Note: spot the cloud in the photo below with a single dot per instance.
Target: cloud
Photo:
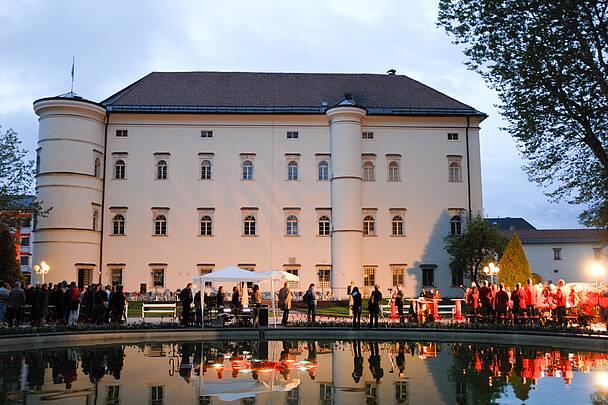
(117, 42)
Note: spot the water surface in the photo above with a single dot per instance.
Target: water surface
(303, 372)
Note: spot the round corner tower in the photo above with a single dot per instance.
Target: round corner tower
(69, 182)
(347, 234)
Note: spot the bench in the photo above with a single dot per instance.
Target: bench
(168, 308)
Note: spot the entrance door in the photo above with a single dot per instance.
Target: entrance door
(84, 277)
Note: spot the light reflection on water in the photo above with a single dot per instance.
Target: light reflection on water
(302, 372)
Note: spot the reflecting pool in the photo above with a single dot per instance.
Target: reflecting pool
(303, 372)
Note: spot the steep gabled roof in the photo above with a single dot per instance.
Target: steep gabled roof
(312, 93)
(510, 223)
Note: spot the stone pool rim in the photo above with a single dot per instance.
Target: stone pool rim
(52, 340)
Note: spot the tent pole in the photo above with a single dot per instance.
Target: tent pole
(200, 287)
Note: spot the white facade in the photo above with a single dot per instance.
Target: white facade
(413, 152)
(572, 262)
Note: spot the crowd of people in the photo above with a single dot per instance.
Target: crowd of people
(535, 301)
(61, 303)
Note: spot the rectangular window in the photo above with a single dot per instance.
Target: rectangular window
(597, 253)
(457, 278)
(369, 276)
(294, 285)
(397, 276)
(24, 260)
(25, 241)
(455, 169)
(116, 276)
(158, 277)
(206, 270)
(453, 136)
(557, 253)
(428, 276)
(113, 397)
(401, 391)
(367, 135)
(206, 134)
(84, 277)
(293, 135)
(324, 278)
(157, 395)
(122, 133)
(325, 392)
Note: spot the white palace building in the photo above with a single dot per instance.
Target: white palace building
(339, 178)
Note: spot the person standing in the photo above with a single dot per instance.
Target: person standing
(519, 303)
(502, 301)
(118, 301)
(560, 301)
(310, 298)
(357, 307)
(399, 304)
(72, 296)
(374, 306)
(285, 302)
(16, 302)
(530, 293)
(4, 293)
(485, 298)
(220, 297)
(256, 301)
(41, 300)
(185, 297)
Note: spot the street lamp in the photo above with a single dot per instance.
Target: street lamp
(491, 270)
(42, 269)
(598, 271)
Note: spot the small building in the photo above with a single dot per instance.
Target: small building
(557, 253)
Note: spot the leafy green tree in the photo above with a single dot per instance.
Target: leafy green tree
(514, 266)
(548, 61)
(10, 270)
(17, 176)
(480, 243)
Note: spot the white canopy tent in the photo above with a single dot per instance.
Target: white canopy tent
(238, 275)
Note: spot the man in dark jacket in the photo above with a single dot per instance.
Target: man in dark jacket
(374, 306)
(485, 298)
(16, 302)
(185, 296)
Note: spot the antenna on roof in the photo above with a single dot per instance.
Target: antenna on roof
(72, 87)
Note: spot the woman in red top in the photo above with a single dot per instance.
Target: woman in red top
(472, 299)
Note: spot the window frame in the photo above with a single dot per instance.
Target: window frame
(369, 225)
(247, 170)
(455, 169)
(161, 227)
(368, 171)
(249, 225)
(121, 133)
(323, 168)
(158, 272)
(293, 170)
(206, 134)
(27, 257)
(453, 136)
(162, 169)
(206, 225)
(113, 272)
(367, 135)
(394, 171)
(324, 225)
(557, 253)
(397, 225)
(292, 225)
(398, 273)
(369, 276)
(118, 224)
(428, 274)
(292, 135)
(97, 167)
(120, 169)
(206, 170)
(456, 225)
(324, 277)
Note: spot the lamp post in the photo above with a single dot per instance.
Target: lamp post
(491, 270)
(42, 269)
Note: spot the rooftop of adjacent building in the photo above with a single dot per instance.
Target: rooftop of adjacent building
(281, 93)
(529, 234)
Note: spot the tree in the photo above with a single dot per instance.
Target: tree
(548, 61)
(480, 243)
(17, 176)
(514, 266)
(10, 270)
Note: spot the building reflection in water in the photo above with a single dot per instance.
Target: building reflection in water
(292, 372)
